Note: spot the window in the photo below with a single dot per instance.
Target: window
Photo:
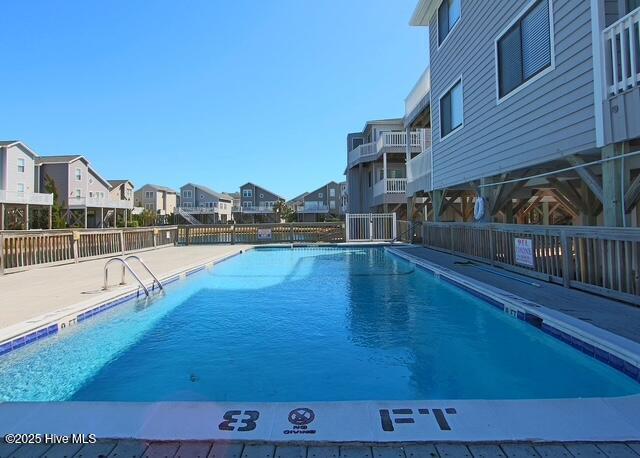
(356, 142)
(78, 174)
(332, 204)
(148, 194)
(247, 193)
(246, 204)
(20, 187)
(78, 193)
(90, 194)
(448, 17)
(148, 206)
(524, 50)
(451, 110)
(320, 195)
(188, 193)
(381, 174)
(21, 165)
(261, 196)
(332, 192)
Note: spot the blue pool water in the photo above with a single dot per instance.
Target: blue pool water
(312, 324)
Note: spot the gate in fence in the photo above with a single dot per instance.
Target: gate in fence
(370, 227)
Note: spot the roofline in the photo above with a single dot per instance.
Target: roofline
(265, 189)
(375, 122)
(24, 145)
(422, 13)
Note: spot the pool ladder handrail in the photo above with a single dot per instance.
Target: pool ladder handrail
(146, 267)
(126, 266)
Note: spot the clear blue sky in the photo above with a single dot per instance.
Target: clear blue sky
(214, 92)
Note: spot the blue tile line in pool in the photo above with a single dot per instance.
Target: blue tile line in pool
(626, 367)
(51, 329)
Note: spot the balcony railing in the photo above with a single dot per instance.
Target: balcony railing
(421, 165)
(200, 210)
(24, 198)
(259, 209)
(312, 209)
(421, 89)
(361, 152)
(390, 186)
(398, 140)
(98, 202)
(622, 53)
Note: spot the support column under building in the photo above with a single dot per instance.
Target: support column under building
(612, 186)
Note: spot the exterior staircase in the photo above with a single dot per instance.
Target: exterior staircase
(188, 217)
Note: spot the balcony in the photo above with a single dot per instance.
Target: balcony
(390, 186)
(252, 210)
(363, 152)
(419, 168)
(312, 208)
(622, 54)
(388, 142)
(25, 198)
(412, 104)
(200, 210)
(98, 202)
(621, 78)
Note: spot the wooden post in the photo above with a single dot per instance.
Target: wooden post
(187, 235)
(76, 238)
(86, 211)
(291, 232)
(26, 216)
(50, 217)
(1, 216)
(567, 260)
(233, 234)
(1, 253)
(611, 188)
(126, 217)
(437, 195)
(492, 246)
(122, 247)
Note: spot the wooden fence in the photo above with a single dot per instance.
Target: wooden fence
(602, 260)
(262, 233)
(21, 250)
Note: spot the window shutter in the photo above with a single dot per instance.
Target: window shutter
(443, 21)
(536, 40)
(445, 115)
(510, 61)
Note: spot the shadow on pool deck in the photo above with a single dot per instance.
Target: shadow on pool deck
(617, 317)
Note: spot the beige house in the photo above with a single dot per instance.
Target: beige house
(161, 200)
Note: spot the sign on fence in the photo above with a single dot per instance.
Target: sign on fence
(524, 252)
(264, 234)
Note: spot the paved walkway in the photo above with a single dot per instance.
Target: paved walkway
(617, 317)
(29, 294)
(130, 449)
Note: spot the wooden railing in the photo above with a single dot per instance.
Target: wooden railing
(22, 250)
(597, 259)
(261, 233)
(622, 53)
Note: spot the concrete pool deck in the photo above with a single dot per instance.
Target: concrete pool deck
(36, 294)
(616, 317)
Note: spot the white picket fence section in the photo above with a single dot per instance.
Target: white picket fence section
(370, 227)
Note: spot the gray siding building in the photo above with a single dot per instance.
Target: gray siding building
(204, 204)
(257, 204)
(517, 92)
(320, 204)
(376, 167)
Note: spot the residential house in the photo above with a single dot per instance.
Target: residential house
(257, 205)
(376, 166)
(533, 105)
(22, 205)
(321, 204)
(81, 191)
(202, 205)
(160, 200)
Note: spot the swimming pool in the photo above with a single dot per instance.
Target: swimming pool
(307, 324)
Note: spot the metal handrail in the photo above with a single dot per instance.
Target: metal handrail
(124, 266)
(143, 264)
